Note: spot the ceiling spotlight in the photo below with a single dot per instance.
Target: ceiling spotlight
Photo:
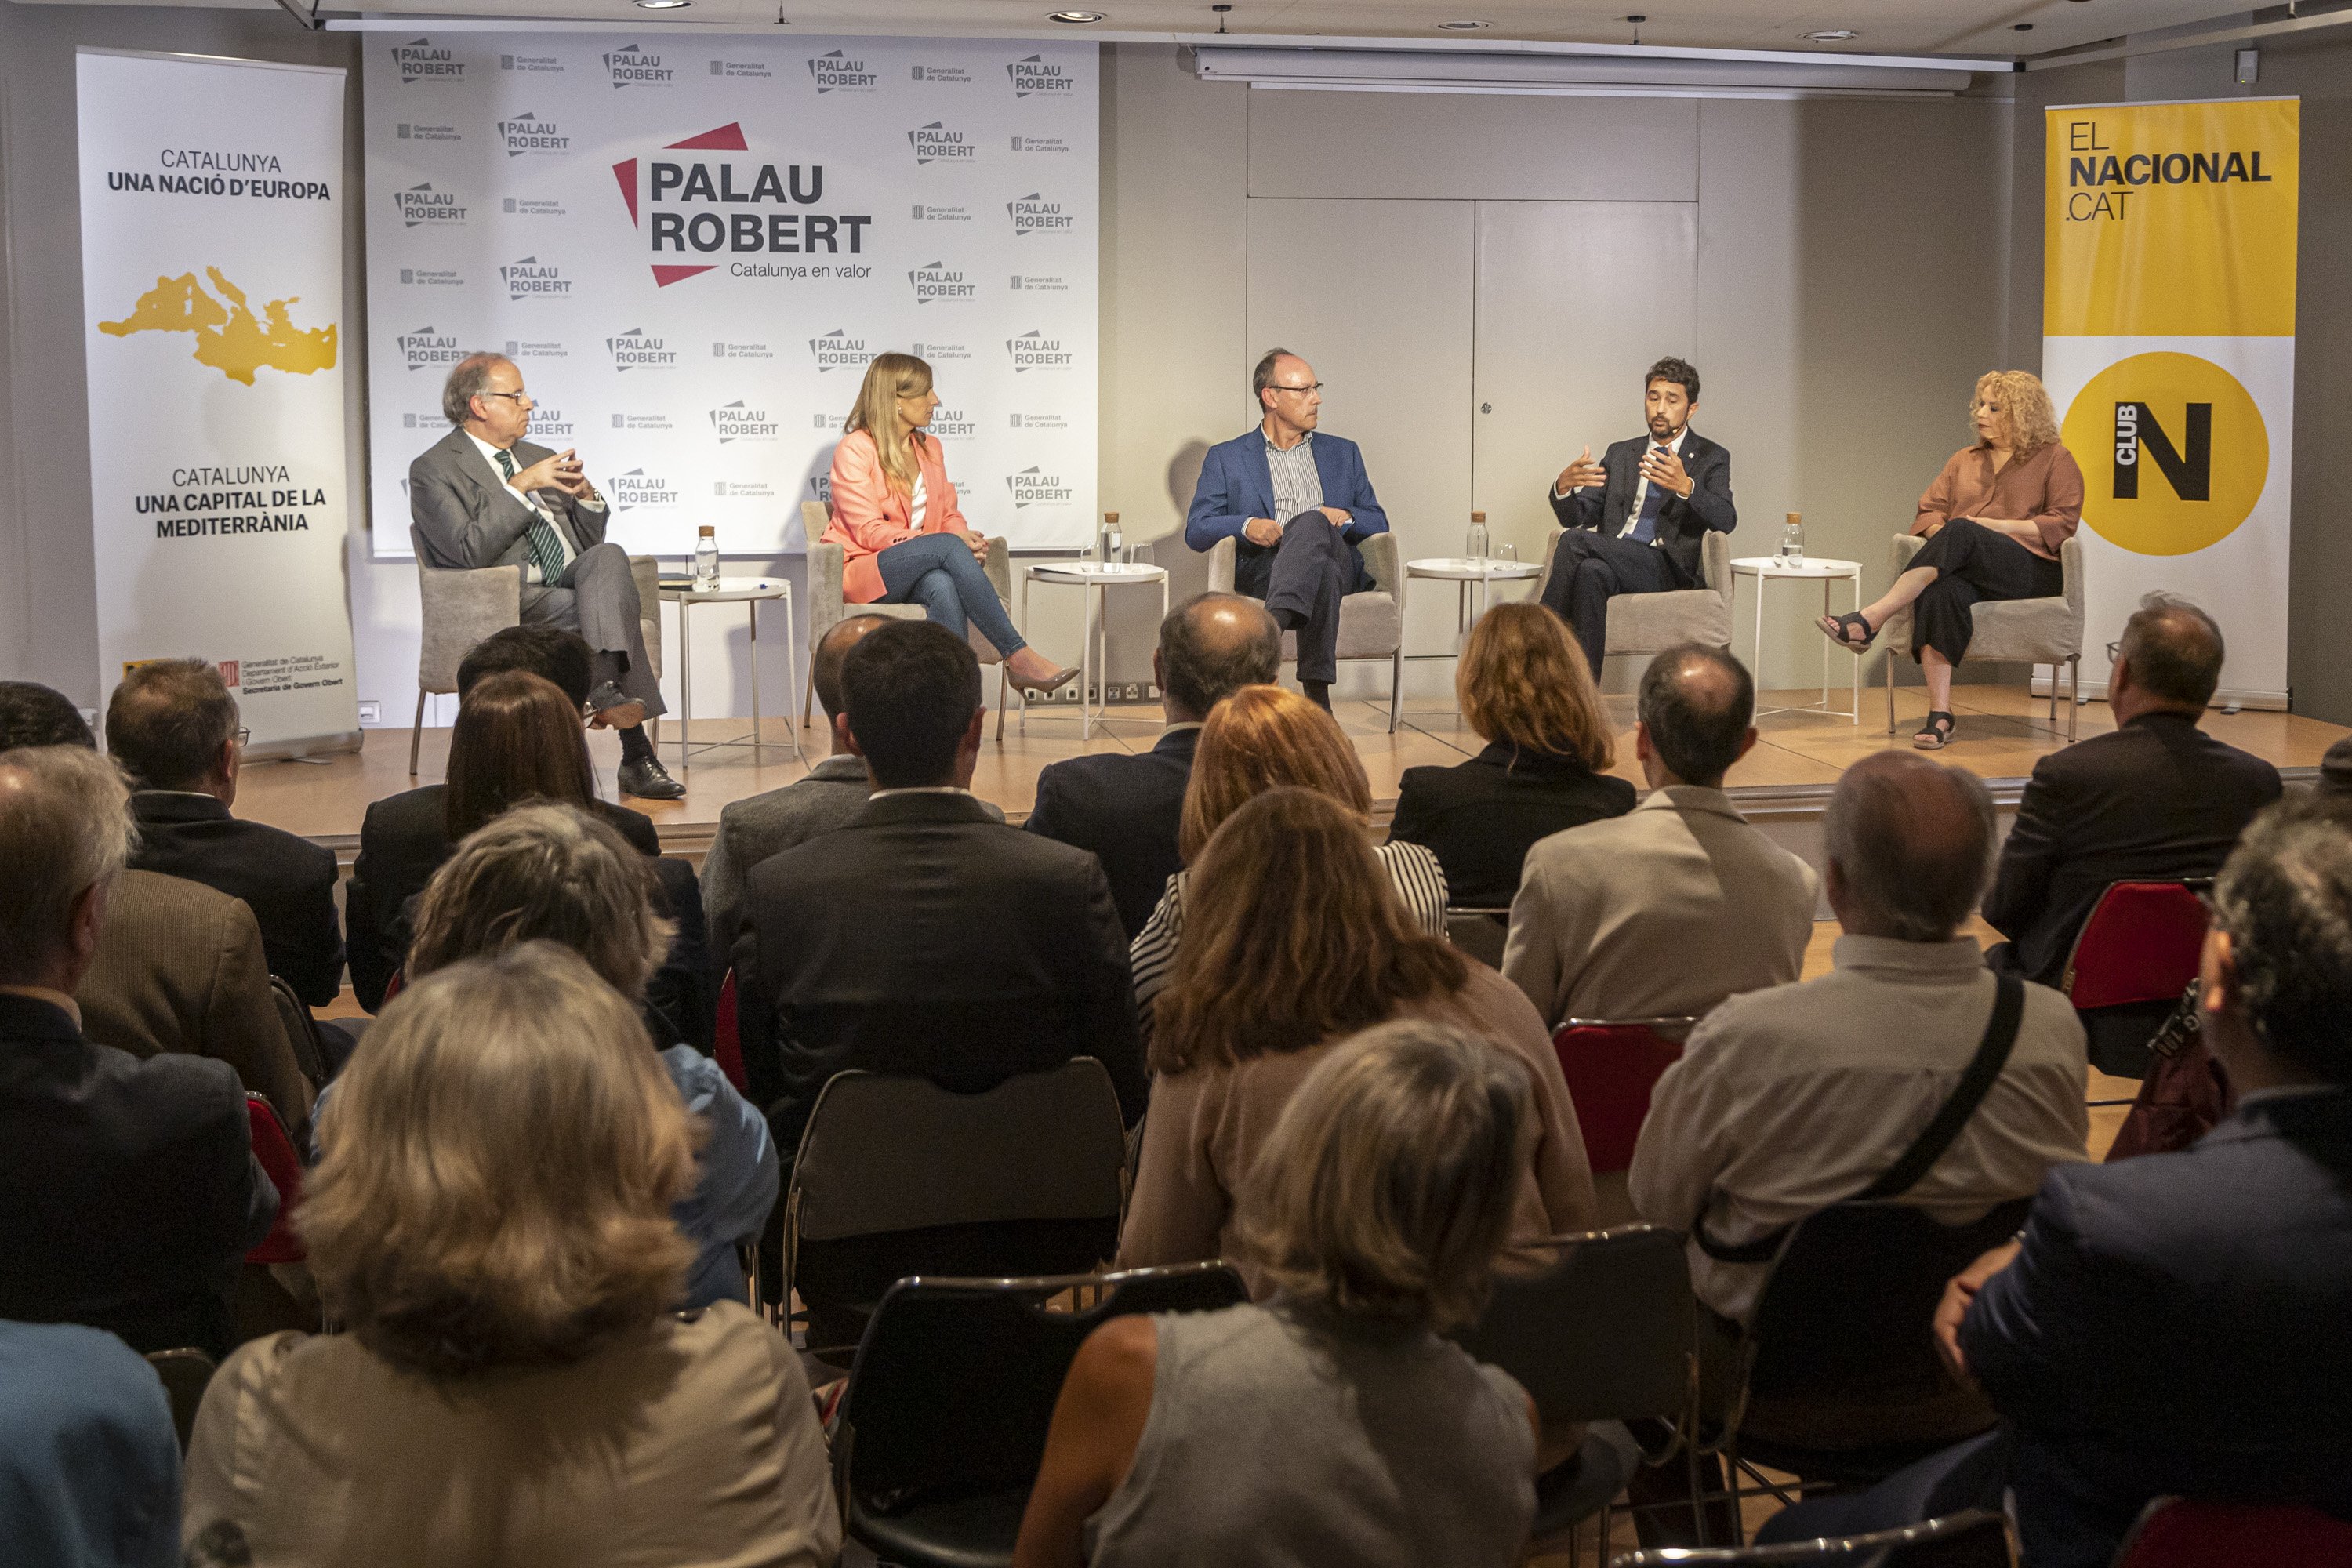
(1075, 19)
(1831, 36)
(662, 4)
(1462, 27)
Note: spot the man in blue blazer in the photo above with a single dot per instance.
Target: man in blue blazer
(1296, 500)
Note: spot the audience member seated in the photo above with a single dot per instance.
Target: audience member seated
(554, 873)
(1666, 910)
(90, 1464)
(179, 968)
(492, 1224)
(129, 1193)
(1525, 690)
(174, 726)
(1329, 1423)
(923, 938)
(2157, 798)
(1788, 1099)
(1128, 809)
(1297, 941)
(1263, 738)
(760, 826)
(2336, 769)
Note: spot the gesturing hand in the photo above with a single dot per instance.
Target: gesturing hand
(1582, 472)
(1663, 466)
(1263, 530)
(557, 471)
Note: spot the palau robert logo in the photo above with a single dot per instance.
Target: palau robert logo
(937, 281)
(836, 70)
(639, 487)
(836, 350)
(548, 422)
(429, 206)
(820, 488)
(738, 421)
(1034, 350)
(2174, 453)
(1033, 214)
(1034, 487)
(426, 347)
(419, 60)
(637, 348)
(934, 144)
(408, 132)
(527, 134)
(945, 421)
(532, 279)
(748, 211)
(1031, 75)
(631, 66)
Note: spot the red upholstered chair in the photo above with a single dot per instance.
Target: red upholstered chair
(727, 1036)
(275, 1150)
(2132, 960)
(2179, 1532)
(1610, 1065)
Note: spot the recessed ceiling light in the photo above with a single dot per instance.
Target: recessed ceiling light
(662, 4)
(1462, 27)
(1831, 36)
(1075, 18)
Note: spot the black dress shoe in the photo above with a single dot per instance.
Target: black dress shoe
(646, 778)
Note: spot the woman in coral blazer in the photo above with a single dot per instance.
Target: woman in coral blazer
(894, 515)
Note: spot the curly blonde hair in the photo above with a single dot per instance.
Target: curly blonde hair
(1523, 681)
(1260, 737)
(2024, 405)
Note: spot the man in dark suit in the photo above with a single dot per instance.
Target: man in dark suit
(128, 1193)
(483, 495)
(1296, 500)
(1127, 809)
(921, 938)
(2158, 797)
(173, 726)
(1635, 519)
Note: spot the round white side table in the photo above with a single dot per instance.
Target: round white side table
(1812, 568)
(1094, 580)
(747, 592)
(1464, 571)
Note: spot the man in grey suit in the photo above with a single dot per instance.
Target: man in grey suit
(482, 496)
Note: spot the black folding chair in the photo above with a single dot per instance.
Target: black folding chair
(186, 1375)
(941, 1429)
(1479, 931)
(1975, 1539)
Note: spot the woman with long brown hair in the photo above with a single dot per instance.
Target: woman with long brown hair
(1294, 941)
(1994, 522)
(902, 537)
(1527, 690)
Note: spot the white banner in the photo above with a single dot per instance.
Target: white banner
(692, 246)
(212, 296)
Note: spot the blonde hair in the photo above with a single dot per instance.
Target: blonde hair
(889, 377)
(498, 1170)
(1386, 1188)
(545, 872)
(2023, 403)
(1293, 934)
(1523, 680)
(1260, 737)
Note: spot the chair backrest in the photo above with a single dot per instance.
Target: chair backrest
(2182, 1533)
(1715, 564)
(953, 1388)
(283, 1166)
(185, 1374)
(1479, 933)
(1975, 1539)
(1610, 1067)
(726, 1035)
(458, 608)
(1604, 1333)
(301, 1030)
(1846, 1310)
(2141, 943)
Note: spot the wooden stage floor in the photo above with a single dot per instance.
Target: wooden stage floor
(2003, 730)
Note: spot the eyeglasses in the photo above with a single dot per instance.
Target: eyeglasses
(1310, 386)
(2114, 651)
(242, 737)
(519, 397)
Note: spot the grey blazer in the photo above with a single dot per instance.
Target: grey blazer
(468, 517)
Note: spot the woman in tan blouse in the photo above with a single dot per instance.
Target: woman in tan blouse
(1295, 940)
(1994, 521)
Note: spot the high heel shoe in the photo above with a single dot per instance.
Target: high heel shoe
(1052, 683)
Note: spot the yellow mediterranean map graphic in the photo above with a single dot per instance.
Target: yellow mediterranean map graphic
(229, 337)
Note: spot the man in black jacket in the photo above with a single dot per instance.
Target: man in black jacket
(2156, 798)
(174, 726)
(1127, 808)
(921, 938)
(1636, 518)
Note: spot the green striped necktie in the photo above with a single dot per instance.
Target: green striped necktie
(546, 550)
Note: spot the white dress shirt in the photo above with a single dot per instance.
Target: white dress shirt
(1641, 483)
(562, 539)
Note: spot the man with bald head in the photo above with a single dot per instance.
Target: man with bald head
(1126, 809)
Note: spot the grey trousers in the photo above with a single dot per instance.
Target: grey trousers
(597, 597)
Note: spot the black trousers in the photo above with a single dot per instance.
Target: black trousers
(1588, 570)
(1302, 581)
(1973, 564)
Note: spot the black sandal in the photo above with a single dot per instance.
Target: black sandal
(1934, 737)
(1835, 628)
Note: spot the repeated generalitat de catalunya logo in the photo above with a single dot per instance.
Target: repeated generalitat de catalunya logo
(1034, 487)
(428, 203)
(637, 348)
(937, 281)
(631, 66)
(747, 208)
(529, 133)
(1034, 350)
(836, 350)
(934, 144)
(424, 347)
(532, 279)
(836, 70)
(1033, 214)
(419, 60)
(738, 421)
(1032, 75)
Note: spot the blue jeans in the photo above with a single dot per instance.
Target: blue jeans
(939, 572)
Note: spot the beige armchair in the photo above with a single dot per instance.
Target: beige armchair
(2025, 631)
(1652, 623)
(826, 608)
(463, 605)
(1371, 623)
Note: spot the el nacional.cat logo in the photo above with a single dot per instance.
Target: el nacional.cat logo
(2173, 451)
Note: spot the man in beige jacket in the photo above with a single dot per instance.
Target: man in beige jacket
(1679, 903)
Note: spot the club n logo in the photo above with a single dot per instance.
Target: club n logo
(2188, 467)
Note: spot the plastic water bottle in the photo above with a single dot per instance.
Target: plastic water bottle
(1476, 548)
(1793, 540)
(706, 560)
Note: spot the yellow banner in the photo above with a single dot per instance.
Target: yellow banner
(2170, 219)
